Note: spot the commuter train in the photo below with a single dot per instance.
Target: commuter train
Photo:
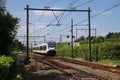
(48, 49)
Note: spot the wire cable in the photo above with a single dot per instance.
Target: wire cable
(97, 14)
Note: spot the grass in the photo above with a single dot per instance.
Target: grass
(109, 62)
(21, 73)
(26, 72)
(63, 49)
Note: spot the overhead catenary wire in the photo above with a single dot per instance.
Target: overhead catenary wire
(76, 7)
(84, 3)
(59, 15)
(59, 30)
(75, 1)
(71, 4)
(99, 13)
(62, 13)
(50, 3)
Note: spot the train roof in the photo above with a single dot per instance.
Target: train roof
(44, 44)
(40, 44)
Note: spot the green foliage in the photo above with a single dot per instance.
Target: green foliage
(110, 62)
(80, 38)
(18, 45)
(110, 50)
(98, 39)
(6, 68)
(21, 73)
(7, 31)
(84, 42)
(101, 49)
(113, 35)
(82, 50)
(117, 40)
(63, 49)
(2, 2)
(95, 53)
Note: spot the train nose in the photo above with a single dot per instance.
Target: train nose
(51, 53)
(51, 48)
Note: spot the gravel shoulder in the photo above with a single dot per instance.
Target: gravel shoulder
(37, 71)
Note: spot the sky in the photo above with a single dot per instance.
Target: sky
(44, 23)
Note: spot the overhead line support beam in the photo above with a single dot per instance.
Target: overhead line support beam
(57, 10)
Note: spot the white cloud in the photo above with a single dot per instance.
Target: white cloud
(107, 13)
(47, 13)
(21, 30)
(40, 25)
(104, 13)
(39, 13)
(18, 14)
(21, 27)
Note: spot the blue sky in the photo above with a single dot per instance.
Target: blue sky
(107, 22)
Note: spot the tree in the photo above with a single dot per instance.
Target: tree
(99, 39)
(18, 45)
(109, 35)
(8, 30)
(2, 2)
(113, 35)
(80, 38)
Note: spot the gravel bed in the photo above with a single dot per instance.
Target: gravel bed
(50, 76)
(39, 71)
(101, 73)
(47, 73)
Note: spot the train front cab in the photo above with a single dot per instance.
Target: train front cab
(51, 53)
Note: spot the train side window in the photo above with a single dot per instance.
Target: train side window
(40, 47)
(44, 47)
(37, 48)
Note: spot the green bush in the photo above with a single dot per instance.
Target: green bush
(63, 49)
(6, 68)
(103, 49)
(110, 50)
(95, 54)
(99, 39)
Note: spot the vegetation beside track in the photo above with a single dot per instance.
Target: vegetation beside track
(8, 43)
(21, 73)
(103, 48)
(109, 62)
(7, 68)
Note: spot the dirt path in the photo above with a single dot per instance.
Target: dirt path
(20, 59)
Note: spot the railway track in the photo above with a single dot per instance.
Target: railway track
(72, 72)
(115, 70)
(107, 72)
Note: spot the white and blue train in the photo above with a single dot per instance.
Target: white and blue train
(48, 49)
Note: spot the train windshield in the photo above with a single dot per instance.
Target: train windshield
(51, 44)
